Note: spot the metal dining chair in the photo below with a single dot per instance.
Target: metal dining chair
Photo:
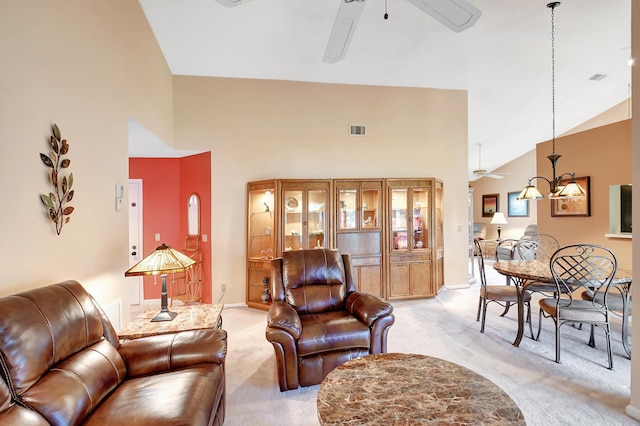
(619, 304)
(503, 295)
(537, 246)
(576, 267)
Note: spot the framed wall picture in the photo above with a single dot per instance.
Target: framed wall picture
(515, 207)
(573, 206)
(490, 204)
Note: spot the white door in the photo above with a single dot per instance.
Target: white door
(136, 294)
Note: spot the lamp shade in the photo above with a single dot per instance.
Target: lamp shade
(163, 260)
(530, 192)
(498, 219)
(572, 190)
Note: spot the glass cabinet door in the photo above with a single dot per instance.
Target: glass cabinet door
(316, 218)
(347, 202)
(420, 222)
(399, 218)
(305, 219)
(370, 208)
(420, 198)
(292, 220)
(358, 209)
(410, 218)
(261, 224)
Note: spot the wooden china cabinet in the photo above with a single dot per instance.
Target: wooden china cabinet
(261, 240)
(415, 256)
(359, 229)
(283, 214)
(391, 227)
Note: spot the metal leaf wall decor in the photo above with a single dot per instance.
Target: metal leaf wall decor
(56, 203)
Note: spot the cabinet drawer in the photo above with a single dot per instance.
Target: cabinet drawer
(260, 264)
(371, 260)
(410, 257)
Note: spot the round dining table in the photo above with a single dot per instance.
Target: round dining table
(525, 272)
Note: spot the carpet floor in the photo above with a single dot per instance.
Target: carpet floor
(579, 391)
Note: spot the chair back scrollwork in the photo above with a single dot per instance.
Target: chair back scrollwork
(537, 246)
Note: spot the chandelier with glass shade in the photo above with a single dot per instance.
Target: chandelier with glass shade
(557, 189)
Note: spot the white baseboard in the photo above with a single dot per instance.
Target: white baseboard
(633, 412)
(457, 287)
(235, 305)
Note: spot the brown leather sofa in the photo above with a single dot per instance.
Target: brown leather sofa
(62, 364)
(317, 320)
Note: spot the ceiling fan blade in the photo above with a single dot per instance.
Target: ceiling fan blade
(484, 173)
(231, 3)
(457, 15)
(343, 29)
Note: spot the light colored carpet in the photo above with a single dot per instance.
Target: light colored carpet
(580, 391)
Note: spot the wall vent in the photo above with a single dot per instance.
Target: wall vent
(597, 77)
(114, 313)
(357, 130)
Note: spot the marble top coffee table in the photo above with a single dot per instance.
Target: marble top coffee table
(410, 389)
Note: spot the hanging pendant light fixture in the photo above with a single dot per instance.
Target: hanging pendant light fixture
(556, 188)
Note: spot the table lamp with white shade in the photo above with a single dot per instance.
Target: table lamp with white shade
(499, 219)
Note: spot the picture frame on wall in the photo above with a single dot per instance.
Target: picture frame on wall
(490, 204)
(561, 207)
(515, 207)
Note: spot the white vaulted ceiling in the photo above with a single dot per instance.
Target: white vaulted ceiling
(503, 61)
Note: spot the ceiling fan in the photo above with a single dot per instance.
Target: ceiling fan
(457, 15)
(480, 172)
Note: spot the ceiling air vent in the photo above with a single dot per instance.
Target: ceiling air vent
(357, 130)
(597, 77)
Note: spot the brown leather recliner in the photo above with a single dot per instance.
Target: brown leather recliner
(14, 414)
(317, 320)
(61, 363)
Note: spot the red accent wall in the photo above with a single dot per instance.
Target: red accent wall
(195, 177)
(167, 184)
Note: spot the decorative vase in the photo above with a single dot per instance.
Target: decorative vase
(265, 292)
(265, 295)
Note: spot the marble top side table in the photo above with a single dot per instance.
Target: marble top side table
(190, 317)
(402, 389)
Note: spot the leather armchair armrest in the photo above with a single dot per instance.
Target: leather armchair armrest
(282, 316)
(169, 351)
(367, 307)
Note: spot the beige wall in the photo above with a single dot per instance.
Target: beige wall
(259, 129)
(68, 65)
(603, 154)
(619, 112)
(87, 66)
(519, 171)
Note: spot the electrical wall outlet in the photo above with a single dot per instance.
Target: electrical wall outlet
(223, 287)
